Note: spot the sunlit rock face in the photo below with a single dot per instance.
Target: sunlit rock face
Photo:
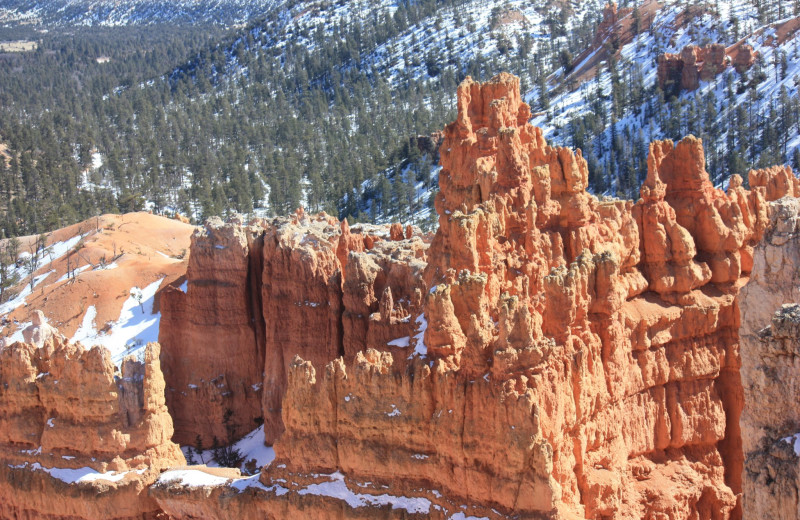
(546, 354)
(559, 356)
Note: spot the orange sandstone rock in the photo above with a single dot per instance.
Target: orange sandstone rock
(63, 408)
(778, 182)
(602, 333)
(684, 71)
(550, 355)
(213, 336)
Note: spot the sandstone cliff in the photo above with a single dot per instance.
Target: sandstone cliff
(550, 355)
(79, 438)
(257, 295)
(580, 355)
(770, 346)
(213, 336)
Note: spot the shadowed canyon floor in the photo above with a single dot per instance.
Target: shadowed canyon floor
(546, 354)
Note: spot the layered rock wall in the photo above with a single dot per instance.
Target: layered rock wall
(261, 293)
(580, 356)
(213, 336)
(78, 437)
(770, 338)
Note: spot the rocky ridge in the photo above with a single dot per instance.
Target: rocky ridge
(684, 71)
(546, 354)
(78, 437)
(561, 356)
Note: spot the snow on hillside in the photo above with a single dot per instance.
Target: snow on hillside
(26, 267)
(97, 282)
(402, 43)
(709, 112)
(482, 29)
(112, 13)
(136, 327)
(489, 31)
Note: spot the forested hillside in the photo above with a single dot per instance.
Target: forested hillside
(110, 13)
(312, 104)
(747, 118)
(319, 103)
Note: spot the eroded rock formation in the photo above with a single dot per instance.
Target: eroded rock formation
(213, 336)
(572, 388)
(770, 347)
(78, 438)
(684, 71)
(259, 294)
(548, 355)
(559, 357)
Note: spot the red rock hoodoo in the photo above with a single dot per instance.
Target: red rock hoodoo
(684, 71)
(258, 295)
(579, 355)
(78, 437)
(558, 356)
(547, 355)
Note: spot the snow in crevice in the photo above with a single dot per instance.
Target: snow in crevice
(794, 440)
(79, 475)
(420, 349)
(251, 446)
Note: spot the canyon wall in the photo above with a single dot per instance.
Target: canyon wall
(770, 339)
(259, 294)
(546, 354)
(213, 336)
(550, 355)
(79, 438)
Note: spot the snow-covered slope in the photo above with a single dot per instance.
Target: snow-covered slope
(746, 120)
(130, 12)
(97, 282)
(419, 40)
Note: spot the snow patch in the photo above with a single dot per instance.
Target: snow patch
(80, 475)
(251, 446)
(462, 516)
(75, 273)
(794, 440)
(336, 488)
(420, 349)
(191, 478)
(403, 342)
(136, 327)
(244, 483)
